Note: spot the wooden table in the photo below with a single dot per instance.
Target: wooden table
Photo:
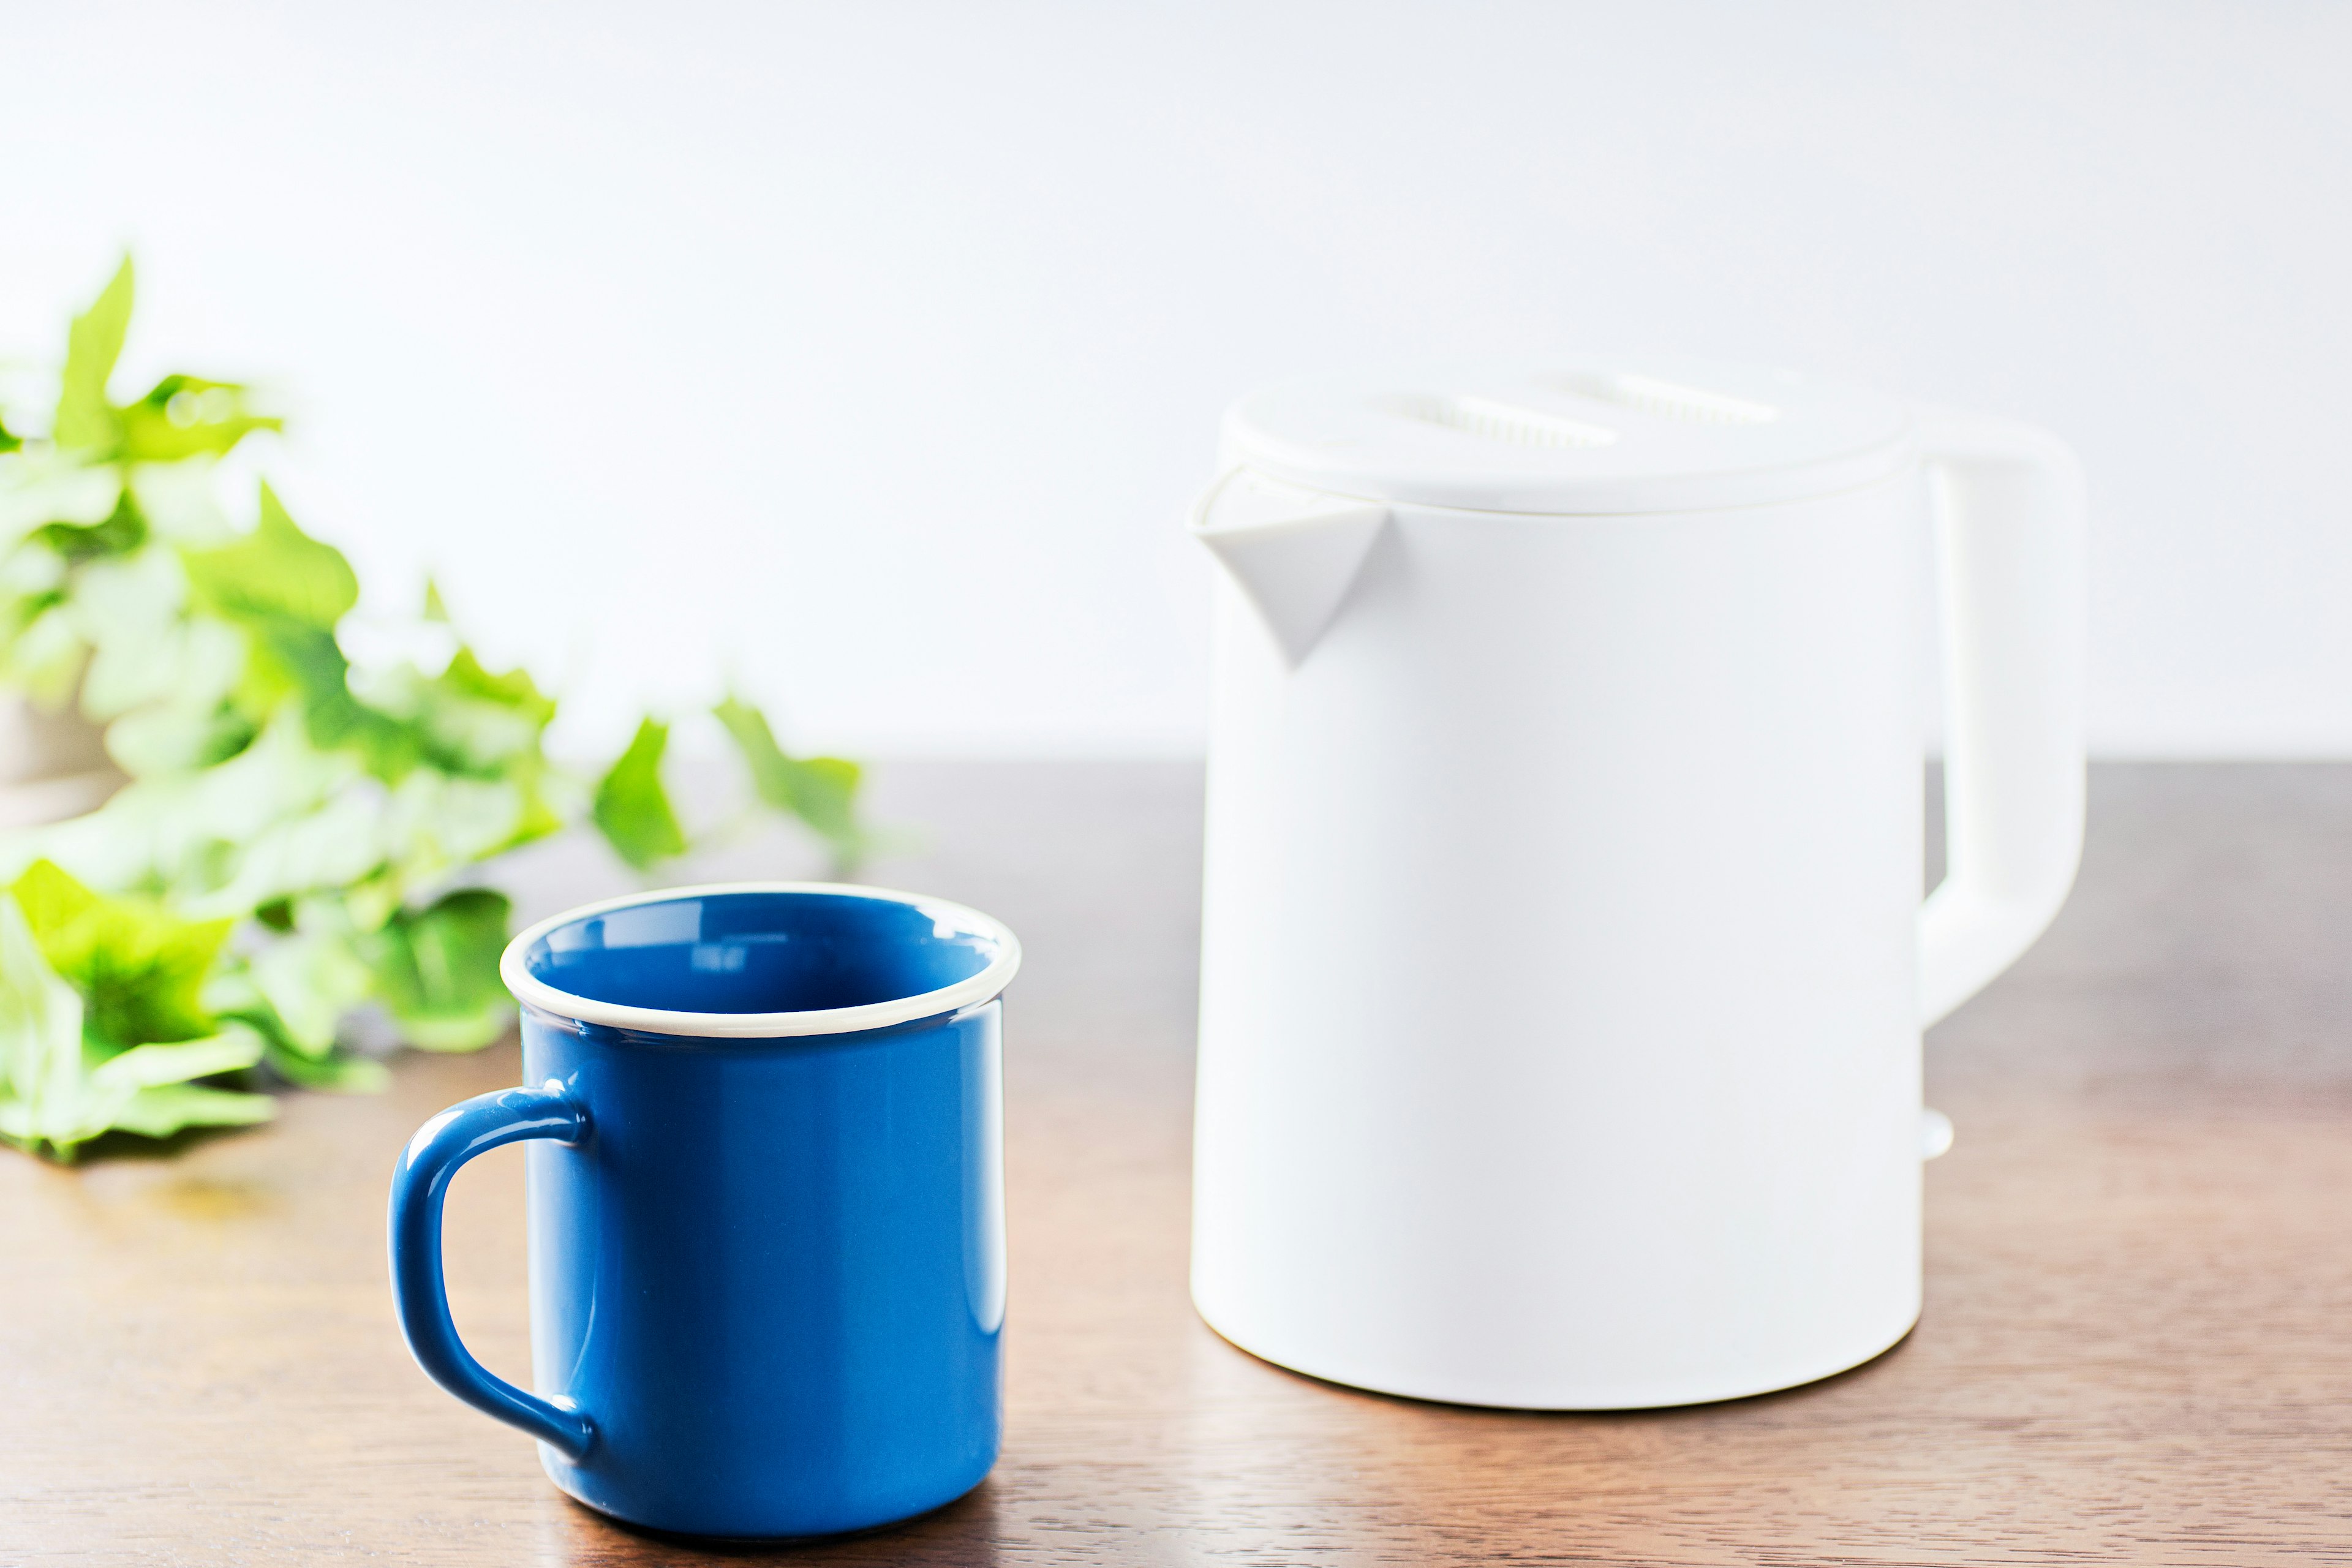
(2137, 1344)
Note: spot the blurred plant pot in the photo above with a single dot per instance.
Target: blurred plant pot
(52, 766)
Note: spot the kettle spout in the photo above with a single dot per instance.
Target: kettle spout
(1293, 553)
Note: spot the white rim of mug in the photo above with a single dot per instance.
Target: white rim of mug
(533, 992)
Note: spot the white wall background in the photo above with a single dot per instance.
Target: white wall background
(871, 350)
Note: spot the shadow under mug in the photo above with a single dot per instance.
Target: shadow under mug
(766, 1205)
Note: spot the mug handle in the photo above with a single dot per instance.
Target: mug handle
(419, 1183)
(2008, 510)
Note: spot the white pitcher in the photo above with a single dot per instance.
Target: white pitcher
(1564, 963)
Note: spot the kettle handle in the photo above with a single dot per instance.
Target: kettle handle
(2008, 510)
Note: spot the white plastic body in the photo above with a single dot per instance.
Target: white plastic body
(1564, 966)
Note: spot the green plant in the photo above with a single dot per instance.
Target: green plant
(300, 837)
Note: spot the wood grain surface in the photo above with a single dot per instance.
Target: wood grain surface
(2137, 1343)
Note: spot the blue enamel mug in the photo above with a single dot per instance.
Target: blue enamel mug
(766, 1203)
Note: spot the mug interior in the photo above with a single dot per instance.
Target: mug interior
(758, 951)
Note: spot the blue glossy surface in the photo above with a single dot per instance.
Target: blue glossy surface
(768, 1278)
(419, 1183)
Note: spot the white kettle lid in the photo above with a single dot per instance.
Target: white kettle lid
(1628, 434)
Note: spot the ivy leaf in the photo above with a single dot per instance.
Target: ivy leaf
(180, 505)
(177, 736)
(540, 815)
(632, 809)
(120, 532)
(238, 999)
(821, 791)
(59, 1088)
(311, 980)
(143, 648)
(277, 573)
(339, 1073)
(339, 720)
(85, 421)
(286, 590)
(160, 1113)
(515, 689)
(44, 658)
(140, 969)
(467, 720)
(235, 1047)
(295, 775)
(280, 816)
(188, 416)
(40, 1041)
(436, 971)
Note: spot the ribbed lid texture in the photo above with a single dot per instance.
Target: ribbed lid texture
(1630, 433)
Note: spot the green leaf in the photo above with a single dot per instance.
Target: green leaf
(235, 1047)
(180, 504)
(539, 817)
(311, 980)
(337, 1071)
(338, 720)
(827, 802)
(139, 968)
(60, 1090)
(466, 720)
(337, 1074)
(144, 649)
(188, 416)
(218, 841)
(434, 610)
(170, 738)
(85, 421)
(437, 823)
(122, 532)
(160, 1113)
(306, 661)
(43, 659)
(515, 689)
(632, 809)
(438, 971)
(43, 485)
(42, 1092)
(286, 590)
(277, 573)
(9, 443)
(821, 791)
